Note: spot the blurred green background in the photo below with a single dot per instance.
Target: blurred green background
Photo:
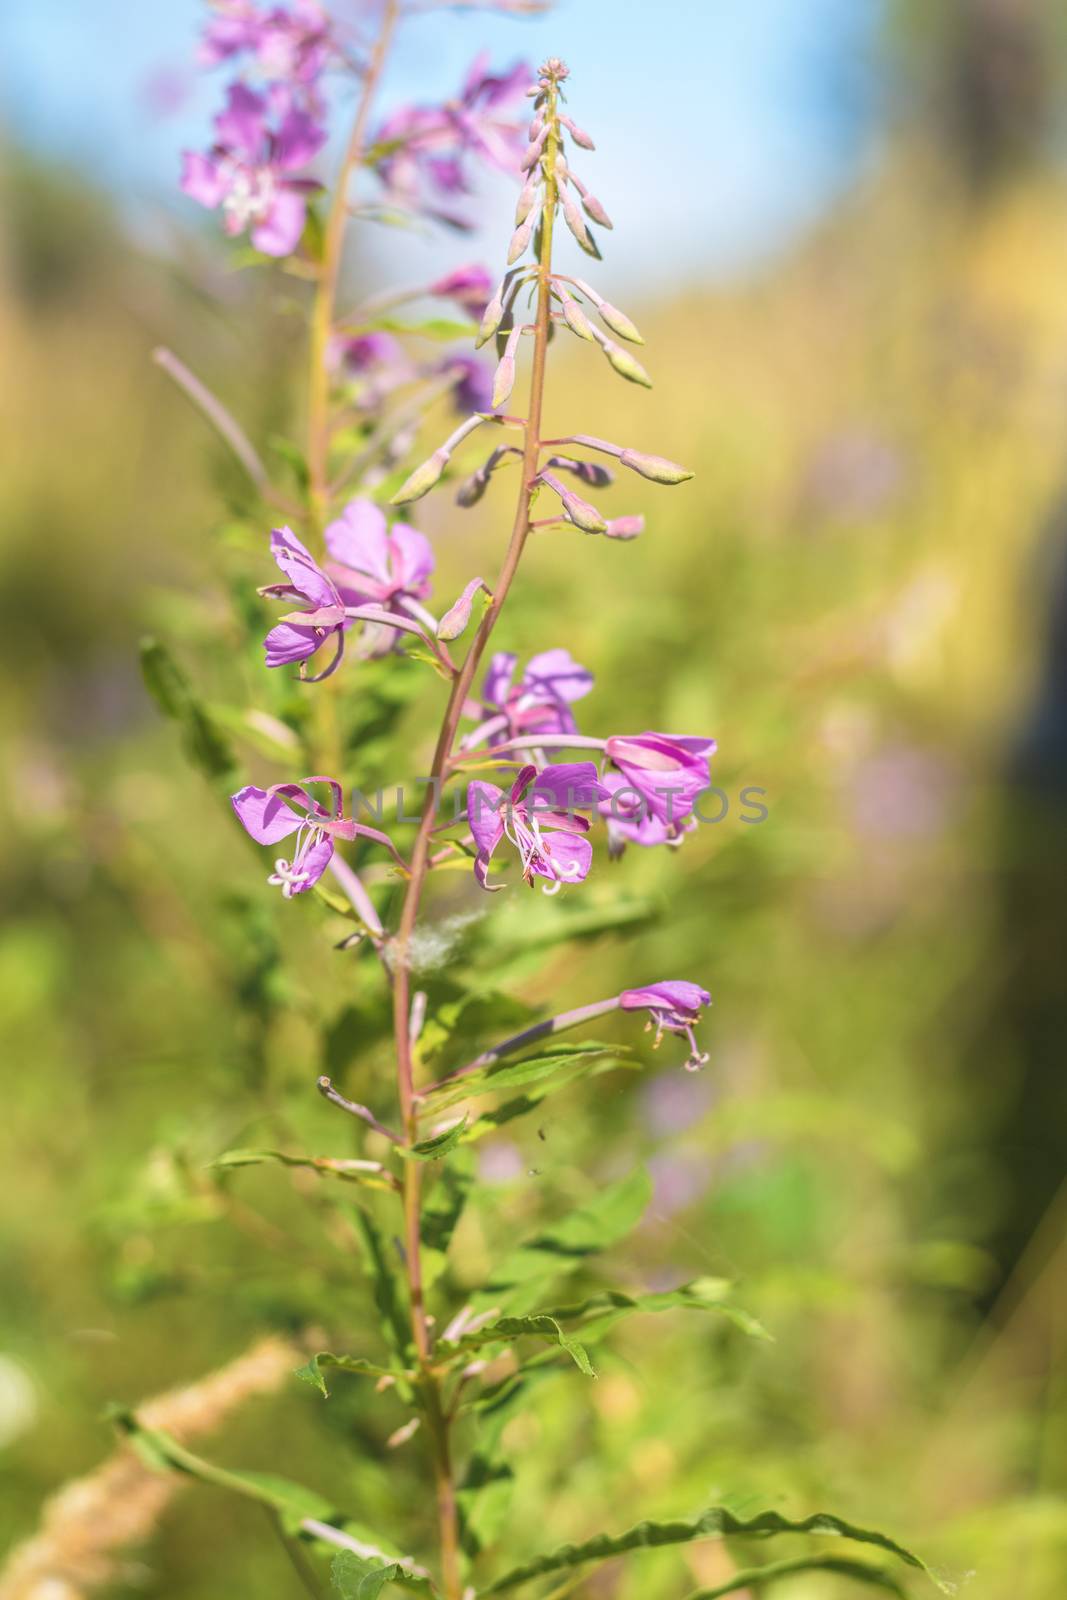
(863, 596)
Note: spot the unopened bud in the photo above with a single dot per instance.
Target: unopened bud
(590, 472)
(625, 527)
(532, 153)
(574, 316)
(658, 468)
(625, 364)
(573, 219)
(422, 479)
(594, 209)
(504, 377)
(492, 317)
(580, 512)
(618, 322)
(579, 135)
(525, 203)
(471, 489)
(520, 239)
(458, 615)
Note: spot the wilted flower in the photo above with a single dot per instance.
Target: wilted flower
(674, 1007)
(539, 703)
(247, 171)
(540, 817)
(265, 815)
(657, 780)
(301, 634)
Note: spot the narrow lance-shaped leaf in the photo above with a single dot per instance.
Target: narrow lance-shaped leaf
(759, 1578)
(370, 1173)
(716, 1523)
(311, 1372)
(507, 1329)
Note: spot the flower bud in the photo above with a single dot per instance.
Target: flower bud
(422, 479)
(582, 514)
(658, 468)
(527, 197)
(579, 135)
(458, 615)
(590, 472)
(573, 219)
(504, 377)
(574, 316)
(492, 316)
(471, 489)
(594, 209)
(625, 527)
(618, 322)
(625, 364)
(532, 153)
(520, 239)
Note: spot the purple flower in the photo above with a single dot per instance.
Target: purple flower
(540, 818)
(424, 166)
(673, 1007)
(264, 814)
(472, 389)
(247, 171)
(373, 565)
(470, 287)
(291, 44)
(539, 703)
(657, 780)
(298, 636)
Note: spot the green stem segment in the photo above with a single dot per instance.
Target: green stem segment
(437, 1422)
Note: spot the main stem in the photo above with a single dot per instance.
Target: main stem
(437, 1422)
(322, 315)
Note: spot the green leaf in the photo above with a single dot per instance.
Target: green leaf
(601, 1311)
(300, 1510)
(356, 1579)
(760, 1577)
(161, 1453)
(715, 1523)
(388, 1295)
(311, 1371)
(441, 1212)
(206, 746)
(438, 1145)
(294, 459)
(371, 1174)
(443, 329)
(573, 1059)
(609, 1216)
(507, 1329)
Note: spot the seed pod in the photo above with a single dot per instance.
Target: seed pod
(625, 364)
(657, 468)
(520, 239)
(625, 527)
(422, 479)
(574, 222)
(579, 135)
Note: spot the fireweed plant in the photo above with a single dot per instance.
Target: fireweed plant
(353, 593)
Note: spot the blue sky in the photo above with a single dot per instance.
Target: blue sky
(723, 127)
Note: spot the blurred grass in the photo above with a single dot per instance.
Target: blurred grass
(850, 597)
